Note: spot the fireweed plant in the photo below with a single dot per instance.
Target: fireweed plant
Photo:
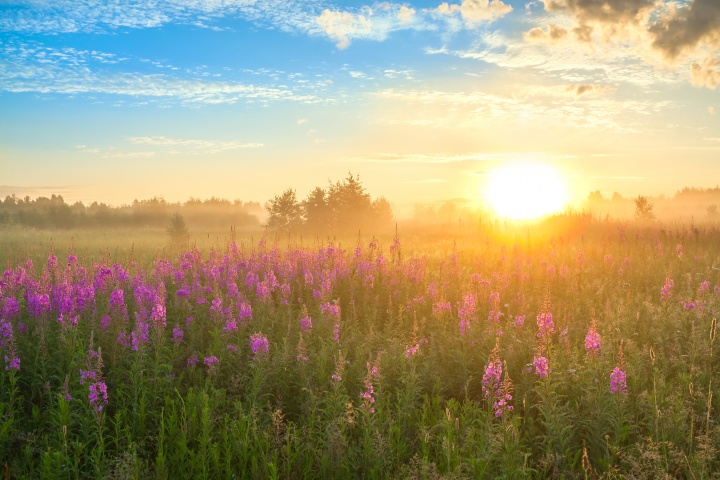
(411, 359)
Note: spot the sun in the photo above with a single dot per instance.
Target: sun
(526, 190)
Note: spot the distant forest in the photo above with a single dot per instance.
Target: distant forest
(53, 212)
(342, 206)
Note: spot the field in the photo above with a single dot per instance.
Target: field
(477, 354)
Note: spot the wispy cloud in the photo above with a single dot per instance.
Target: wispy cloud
(32, 67)
(208, 146)
(97, 16)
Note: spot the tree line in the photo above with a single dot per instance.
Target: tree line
(342, 207)
(54, 212)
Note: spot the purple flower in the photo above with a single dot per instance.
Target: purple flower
(666, 290)
(305, 323)
(192, 361)
(259, 345)
(230, 326)
(211, 362)
(541, 366)
(12, 362)
(98, 395)
(117, 299)
(178, 335)
(545, 325)
(592, 341)
(618, 381)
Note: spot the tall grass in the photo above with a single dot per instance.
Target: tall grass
(391, 358)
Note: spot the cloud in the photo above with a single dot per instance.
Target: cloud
(684, 29)
(209, 146)
(301, 121)
(98, 16)
(608, 12)
(707, 74)
(553, 33)
(406, 14)
(342, 26)
(31, 67)
(476, 11)
(589, 89)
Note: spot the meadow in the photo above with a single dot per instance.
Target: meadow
(469, 353)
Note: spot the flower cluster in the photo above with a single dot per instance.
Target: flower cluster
(259, 346)
(618, 381)
(541, 365)
(592, 339)
(373, 373)
(666, 290)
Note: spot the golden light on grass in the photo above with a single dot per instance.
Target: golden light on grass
(526, 190)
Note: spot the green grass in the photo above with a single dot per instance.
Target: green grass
(274, 416)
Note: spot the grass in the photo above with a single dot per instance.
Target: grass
(413, 343)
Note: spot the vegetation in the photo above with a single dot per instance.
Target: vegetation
(54, 213)
(644, 209)
(342, 208)
(587, 355)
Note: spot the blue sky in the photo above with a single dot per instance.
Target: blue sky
(242, 99)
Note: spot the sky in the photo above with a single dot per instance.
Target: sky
(242, 99)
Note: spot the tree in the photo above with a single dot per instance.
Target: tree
(285, 212)
(350, 205)
(644, 209)
(177, 230)
(316, 210)
(712, 211)
(382, 212)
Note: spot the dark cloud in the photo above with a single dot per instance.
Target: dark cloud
(610, 12)
(687, 27)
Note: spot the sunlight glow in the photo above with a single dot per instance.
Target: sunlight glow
(526, 190)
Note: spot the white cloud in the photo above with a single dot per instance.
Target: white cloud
(476, 11)
(406, 14)
(209, 146)
(340, 26)
(31, 67)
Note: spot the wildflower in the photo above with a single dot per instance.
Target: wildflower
(545, 325)
(689, 305)
(440, 307)
(541, 366)
(259, 345)
(466, 312)
(666, 290)
(618, 381)
(98, 395)
(193, 360)
(305, 323)
(704, 286)
(230, 326)
(519, 320)
(178, 335)
(211, 362)
(373, 372)
(231, 347)
(494, 315)
(592, 339)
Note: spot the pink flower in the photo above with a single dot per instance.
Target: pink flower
(618, 381)
(541, 366)
(259, 345)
